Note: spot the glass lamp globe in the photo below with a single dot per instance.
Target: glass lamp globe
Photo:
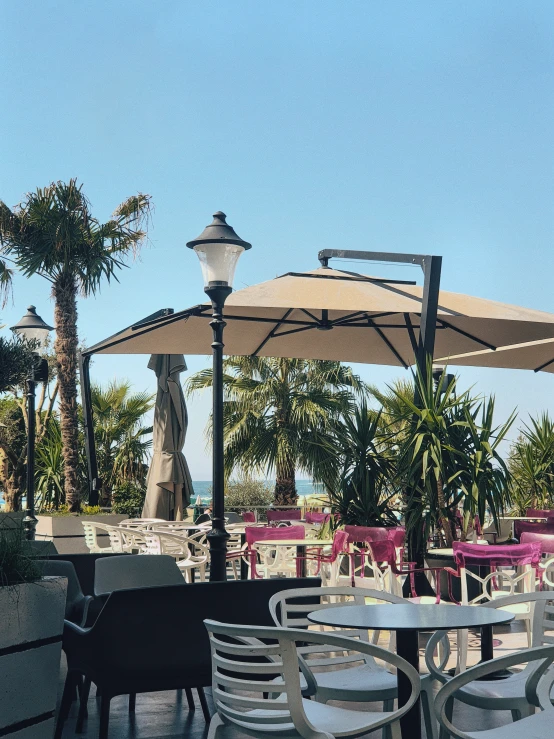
(218, 248)
(32, 328)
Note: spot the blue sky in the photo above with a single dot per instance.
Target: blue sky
(422, 126)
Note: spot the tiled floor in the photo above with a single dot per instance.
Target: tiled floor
(166, 715)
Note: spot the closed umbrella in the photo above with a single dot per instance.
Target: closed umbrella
(168, 485)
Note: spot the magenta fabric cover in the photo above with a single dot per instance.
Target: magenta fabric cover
(546, 541)
(535, 527)
(340, 544)
(497, 555)
(249, 517)
(366, 533)
(292, 515)
(398, 535)
(314, 517)
(539, 513)
(383, 551)
(259, 533)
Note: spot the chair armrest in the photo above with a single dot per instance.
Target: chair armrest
(544, 655)
(436, 671)
(86, 603)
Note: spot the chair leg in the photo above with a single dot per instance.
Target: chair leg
(428, 715)
(132, 702)
(71, 682)
(448, 710)
(387, 731)
(83, 708)
(204, 704)
(215, 724)
(516, 715)
(190, 699)
(104, 716)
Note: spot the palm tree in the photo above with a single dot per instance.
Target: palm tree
(121, 436)
(360, 476)
(52, 233)
(277, 414)
(531, 463)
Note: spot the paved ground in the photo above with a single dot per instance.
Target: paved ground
(166, 715)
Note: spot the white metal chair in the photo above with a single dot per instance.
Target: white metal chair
(538, 686)
(508, 694)
(240, 682)
(364, 680)
(134, 571)
(189, 554)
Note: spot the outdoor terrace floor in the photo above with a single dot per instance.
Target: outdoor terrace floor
(166, 715)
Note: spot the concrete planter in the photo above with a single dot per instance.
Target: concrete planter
(31, 617)
(67, 531)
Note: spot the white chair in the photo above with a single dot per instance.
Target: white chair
(511, 569)
(538, 686)
(134, 571)
(189, 554)
(141, 523)
(239, 698)
(92, 531)
(508, 694)
(364, 680)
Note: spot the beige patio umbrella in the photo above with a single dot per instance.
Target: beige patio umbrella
(332, 314)
(168, 485)
(531, 355)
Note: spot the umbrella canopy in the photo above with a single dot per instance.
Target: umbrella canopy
(333, 314)
(168, 485)
(531, 355)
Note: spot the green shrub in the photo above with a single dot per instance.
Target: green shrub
(243, 495)
(128, 498)
(15, 565)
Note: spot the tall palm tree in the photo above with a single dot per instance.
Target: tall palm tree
(277, 414)
(122, 439)
(53, 233)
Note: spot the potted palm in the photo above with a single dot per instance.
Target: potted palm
(31, 613)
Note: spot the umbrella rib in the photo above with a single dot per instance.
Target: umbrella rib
(272, 332)
(311, 315)
(294, 331)
(349, 317)
(546, 364)
(387, 342)
(411, 332)
(469, 336)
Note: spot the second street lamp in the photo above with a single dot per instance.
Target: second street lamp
(218, 248)
(33, 329)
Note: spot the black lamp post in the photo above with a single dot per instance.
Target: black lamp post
(218, 248)
(33, 329)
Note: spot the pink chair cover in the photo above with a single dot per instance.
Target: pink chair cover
(398, 536)
(366, 533)
(269, 533)
(546, 541)
(477, 525)
(535, 527)
(290, 515)
(340, 544)
(314, 517)
(383, 551)
(249, 517)
(539, 513)
(497, 555)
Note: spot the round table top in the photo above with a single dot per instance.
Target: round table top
(410, 617)
(531, 519)
(295, 542)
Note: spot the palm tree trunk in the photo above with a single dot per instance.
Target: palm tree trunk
(285, 486)
(445, 521)
(65, 316)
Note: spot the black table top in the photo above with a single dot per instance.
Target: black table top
(410, 617)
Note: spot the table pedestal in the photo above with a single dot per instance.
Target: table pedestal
(407, 647)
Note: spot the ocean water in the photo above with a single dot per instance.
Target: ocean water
(303, 488)
(202, 488)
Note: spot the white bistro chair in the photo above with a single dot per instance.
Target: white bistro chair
(189, 554)
(240, 686)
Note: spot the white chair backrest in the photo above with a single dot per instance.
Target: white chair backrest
(288, 611)
(541, 609)
(175, 545)
(92, 529)
(141, 523)
(238, 684)
(134, 571)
